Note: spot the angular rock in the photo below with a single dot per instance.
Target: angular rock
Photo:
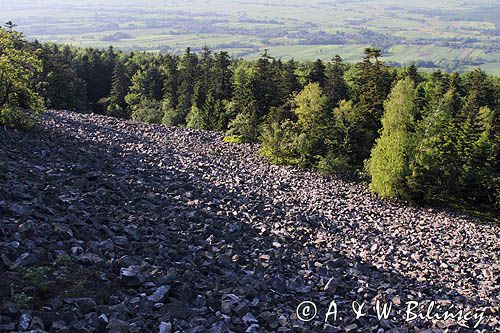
(131, 276)
(159, 294)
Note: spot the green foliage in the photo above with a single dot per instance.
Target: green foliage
(289, 81)
(484, 176)
(59, 82)
(36, 276)
(170, 115)
(370, 83)
(22, 299)
(245, 125)
(278, 137)
(264, 86)
(317, 73)
(188, 76)
(235, 139)
(389, 163)
(119, 89)
(20, 105)
(347, 128)
(435, 167)
(305, 141)
(313, 124)
(148, 111)
(95, 68)
(435, 137)
(335, 88)
(209, 116)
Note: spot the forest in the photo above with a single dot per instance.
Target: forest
(424, 137)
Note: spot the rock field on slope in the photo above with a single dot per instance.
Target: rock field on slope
(114, 226)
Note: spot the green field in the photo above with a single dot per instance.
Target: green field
(451, 34)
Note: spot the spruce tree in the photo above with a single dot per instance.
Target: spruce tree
(370, 85)
(170, 90)
(335, 85)
(188, 76)
(58, 82)
(289, 82)
(347, 128)
(146, 90)
(434, 170)
(480, 93)
(119, 89)
(317, 74)
(265, 85)
(484, 178)
(243, 110)
(222, 76)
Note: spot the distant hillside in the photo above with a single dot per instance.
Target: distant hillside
(450, 34)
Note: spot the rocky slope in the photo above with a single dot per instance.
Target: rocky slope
(109, 225)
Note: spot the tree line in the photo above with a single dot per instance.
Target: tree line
(421, 136)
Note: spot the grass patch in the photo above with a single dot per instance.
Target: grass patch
(484, 213)
(235, 139)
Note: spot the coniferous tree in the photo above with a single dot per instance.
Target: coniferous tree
(347, 127)
(148, 111)
(434, 168)
(289, 82)
(390, 158)
(279, 137)
(188, 76)
(411, 72)
(265, 85)
(371, 84)
(205, 79)
(58, 82)
(335, 85)
(222, 90)
(472, 122)
(483, 179)
(243, 108)
(480, 93)
(146, 91)
(208, 116)
(200, 116)
(317, 74)
(222, 76)
(95, 67)
(439, 132)
(119, 90)
(170, 90)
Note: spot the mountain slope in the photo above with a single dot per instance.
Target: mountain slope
(148, 225)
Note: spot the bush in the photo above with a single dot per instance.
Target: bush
(245, 125)
(148, 111)
(234, 139)
(20, 105)
(19, 118)
(278, 142)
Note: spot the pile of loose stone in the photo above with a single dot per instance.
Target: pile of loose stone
(113, 226)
